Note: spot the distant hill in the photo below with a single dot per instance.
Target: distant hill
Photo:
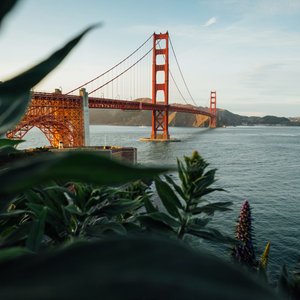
(143, 118)
(227, 118)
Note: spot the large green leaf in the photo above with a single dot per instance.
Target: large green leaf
(15, 93)
(161, 217)
(131, 268)
(76, 166)
(8, 142)
(168, 198)
(198, 223)
(182, 175)
(37, 231)
(150, 208)
(176, 186)
(5, 7)
(17, 234)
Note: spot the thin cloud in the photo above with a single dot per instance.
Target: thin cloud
(210, 22)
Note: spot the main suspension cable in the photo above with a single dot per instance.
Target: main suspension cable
(111, 67)
(181, 72)
(103, 85)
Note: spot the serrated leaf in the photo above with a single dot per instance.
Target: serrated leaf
(200, 192)
(163, 218)
(182, 174)
(15, 93)
(150, 208)
(37, 231)
(198, 223)
(176, 187)
(168, 198)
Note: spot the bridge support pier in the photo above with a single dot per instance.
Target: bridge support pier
(86, 117)
(213, 109)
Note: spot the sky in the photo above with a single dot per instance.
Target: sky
(246, 50)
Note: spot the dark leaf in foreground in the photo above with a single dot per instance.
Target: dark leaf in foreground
(128, 269)
(5, 7)
(76, 166)
(37, 231)
(8, 142)
(15, 93)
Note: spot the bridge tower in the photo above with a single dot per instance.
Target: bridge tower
(160, 122)
(213, 109)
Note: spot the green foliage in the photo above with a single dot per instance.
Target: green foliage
(186, 211)
(131, 268)
(53, 215)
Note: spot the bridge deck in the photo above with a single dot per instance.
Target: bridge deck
(105, 103)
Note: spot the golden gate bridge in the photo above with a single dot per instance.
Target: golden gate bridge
(64, 118)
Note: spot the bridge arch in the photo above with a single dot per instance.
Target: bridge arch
(54, 131)
(59, 119)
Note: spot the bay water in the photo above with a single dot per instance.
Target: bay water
(258, 164)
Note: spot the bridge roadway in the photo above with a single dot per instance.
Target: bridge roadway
(105, 103)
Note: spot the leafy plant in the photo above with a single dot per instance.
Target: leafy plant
(53, 215)
(186, 211)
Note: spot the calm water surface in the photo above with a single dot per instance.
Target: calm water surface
(260, 164)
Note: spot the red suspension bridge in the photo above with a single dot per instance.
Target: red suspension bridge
(64, 118)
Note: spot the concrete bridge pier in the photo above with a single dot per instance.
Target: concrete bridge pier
(86, 116)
